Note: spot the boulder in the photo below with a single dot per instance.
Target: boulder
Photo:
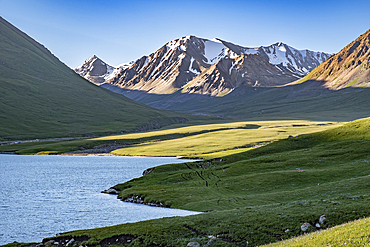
(322, 218)
(305, 226)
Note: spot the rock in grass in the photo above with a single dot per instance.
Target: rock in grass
(322, 218)
(193, 244)
(111, 191)
(70, 242)
(305, 226)
(50, 242)
(212, 239)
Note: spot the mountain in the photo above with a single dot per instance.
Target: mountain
(95, 70)
(349, 67)
(210, 75)
(214, 67)
(40, 97)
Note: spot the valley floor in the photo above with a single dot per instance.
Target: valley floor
(250, 198)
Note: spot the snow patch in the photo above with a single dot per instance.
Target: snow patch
(191, 67)
(213, 51)
(175, 44)
(251, 51)
(277, 56)
(216, 40)
(231, 68)
(125, 65)
(282, 48)
(113, 74)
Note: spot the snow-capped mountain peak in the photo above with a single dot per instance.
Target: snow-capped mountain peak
(212, 66)
(95, 70)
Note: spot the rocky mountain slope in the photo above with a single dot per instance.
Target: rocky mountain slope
(40, 97)
(213, 67)
(349, 67)
(95, 70)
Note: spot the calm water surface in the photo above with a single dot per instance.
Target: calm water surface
(41, 196)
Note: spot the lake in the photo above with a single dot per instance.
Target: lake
(45, 195)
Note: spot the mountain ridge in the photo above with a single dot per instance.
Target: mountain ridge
(309, 99)
(187, 65)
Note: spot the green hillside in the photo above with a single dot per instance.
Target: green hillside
(257, 197)
(41, 97)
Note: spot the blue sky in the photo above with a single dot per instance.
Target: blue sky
(121, 31)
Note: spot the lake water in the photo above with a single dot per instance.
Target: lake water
(41, 196)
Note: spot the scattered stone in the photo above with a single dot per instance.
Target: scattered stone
(70, 242)
(212, 239)
(322, 218)
(287, 230)
(50, 242)
(147, 171)
(140, 200)
(317, 225)
(193, 244)
(305, 226)
(135, 199)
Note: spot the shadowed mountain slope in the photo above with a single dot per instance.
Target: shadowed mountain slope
(41, 97)
(308, 100)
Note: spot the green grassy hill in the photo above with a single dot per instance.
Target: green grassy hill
(41, 97)
(257, 197)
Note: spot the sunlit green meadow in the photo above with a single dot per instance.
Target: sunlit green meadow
(223, 139)
(197, 141)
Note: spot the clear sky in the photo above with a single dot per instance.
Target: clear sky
(122, 31)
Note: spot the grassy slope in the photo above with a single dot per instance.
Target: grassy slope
(252, 198)
(41, 97)
(204, 141)
(355, 233)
